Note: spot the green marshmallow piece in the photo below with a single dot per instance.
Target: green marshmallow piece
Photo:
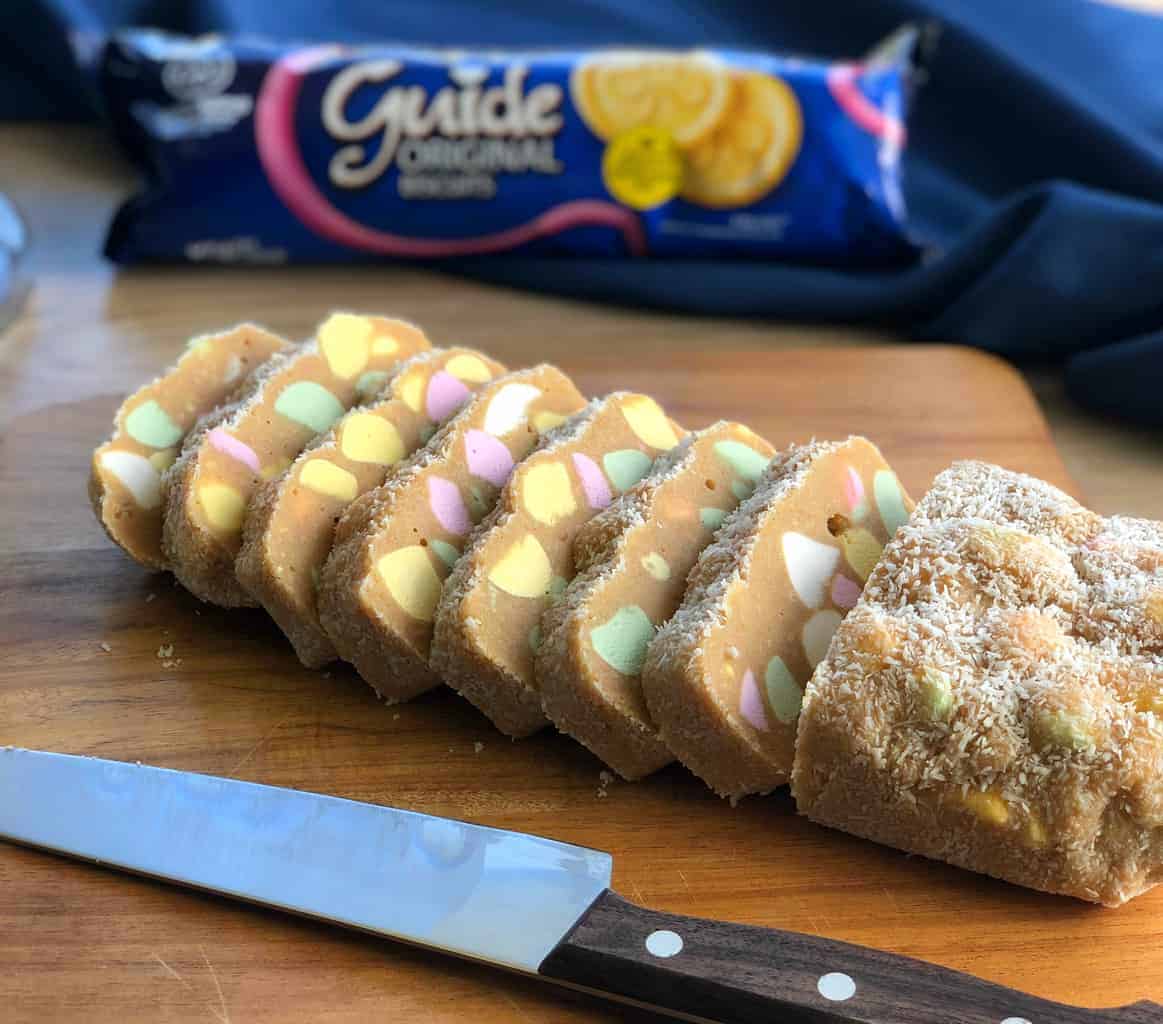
(626, 467)
(783, 692)
(621, 641)
(712, 518)
(477, 507)
(1062, 729)
(444, 551)
(890, 502)
(310, 404)
(936, 693)
(149, 424)
(745, 461)
(370, 382)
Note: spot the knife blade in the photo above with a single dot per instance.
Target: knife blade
(521, 902)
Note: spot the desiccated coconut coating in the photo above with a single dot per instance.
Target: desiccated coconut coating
(295, 396)
(995, 699)
(521, 557)
(724, 678)
(379, 586)
(291, 520)
(632, 560)
(125, 480)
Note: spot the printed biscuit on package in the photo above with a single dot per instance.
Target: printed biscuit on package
(259, 152)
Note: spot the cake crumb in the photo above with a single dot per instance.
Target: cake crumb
(604, 780)
(150, 597)
(165, 651)
(105, 647)
(477, 747)
(395, 716)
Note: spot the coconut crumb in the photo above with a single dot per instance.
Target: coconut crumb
(105, 647)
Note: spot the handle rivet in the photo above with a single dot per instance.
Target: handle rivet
(836, 986)
(663, 943)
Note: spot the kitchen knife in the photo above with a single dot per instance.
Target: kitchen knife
(521, 902)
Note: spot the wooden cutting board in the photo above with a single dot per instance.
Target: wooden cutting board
(101, 658)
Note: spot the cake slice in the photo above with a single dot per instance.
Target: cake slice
(724, 677)
(291, 520)
(995, 699)
(632, 561)
(126, 471)
(393, 548)
(521, 558)
(297, 395)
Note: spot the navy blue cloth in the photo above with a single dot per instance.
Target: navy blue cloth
(1034, 174)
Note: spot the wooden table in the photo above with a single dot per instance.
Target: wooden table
(78, 943)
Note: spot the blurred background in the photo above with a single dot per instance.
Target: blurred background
(1015, 202)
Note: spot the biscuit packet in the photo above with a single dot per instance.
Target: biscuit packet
(259, 152)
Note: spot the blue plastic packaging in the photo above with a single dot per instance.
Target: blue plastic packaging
(256, 152)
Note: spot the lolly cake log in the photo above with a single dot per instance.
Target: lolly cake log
(632, 561)
(379, 587)
(291, 520)
(296, 395)
(126, 472)
(521, 557)
(995, 700)
(724, 677)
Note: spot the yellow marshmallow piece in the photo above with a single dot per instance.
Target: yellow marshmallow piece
(548, 493)
(468, 368)
(412, 390)
(523, 570)
(161, 461)
(411, 580)
(223, 506)
(656, 565)
(547, 420)
(988, 806)
(325, 477)
(368, 438)
(861, 549)
(344, 340)
(649, 422)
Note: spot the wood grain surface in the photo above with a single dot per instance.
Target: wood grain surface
(101, 658)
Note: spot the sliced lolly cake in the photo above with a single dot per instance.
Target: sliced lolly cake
(291, 520)
(297, 395)
(632, 561)
(393, 548)
(521, 559)
(125, 480)
(724, 677)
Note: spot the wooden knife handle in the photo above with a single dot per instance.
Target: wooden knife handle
(712, 970)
